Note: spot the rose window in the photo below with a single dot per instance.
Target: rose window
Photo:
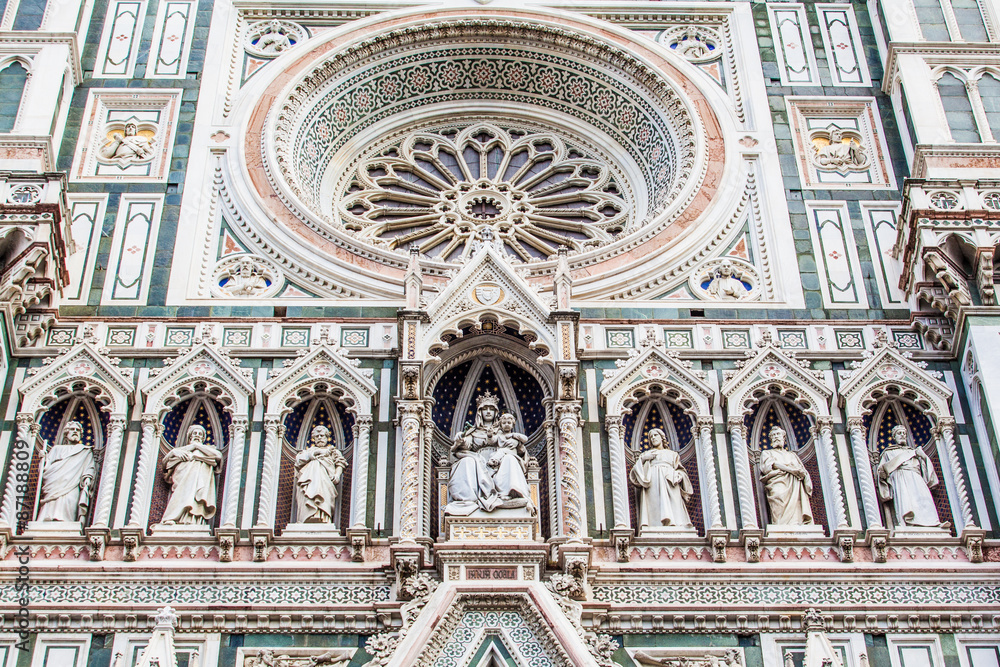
(448, 192)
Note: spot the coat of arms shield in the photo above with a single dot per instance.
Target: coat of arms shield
(488, 294)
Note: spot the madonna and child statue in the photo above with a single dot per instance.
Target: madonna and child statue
(489, 464)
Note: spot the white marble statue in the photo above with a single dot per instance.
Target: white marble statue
(665, 485)
(787, 483)
(489, 465)
(725, 286)
(127, 146)
(67, 477)
(839, 154)
(273, 40)
(906, 477)
(246, 280)
(190, 470)
(319, 469)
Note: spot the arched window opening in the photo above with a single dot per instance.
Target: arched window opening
(63, 499)
(320, 409)
(778, 411)
(892, 411)
(658, 411)
(199, 410)
(958, 109)
(13, 80)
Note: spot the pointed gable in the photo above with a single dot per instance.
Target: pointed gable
(488, 283)
(84, 361)
(652, 364)
(201, 363)
(888, 367)
(769, 365)
(323, 363)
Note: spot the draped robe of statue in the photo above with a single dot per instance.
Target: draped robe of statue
(320, 468)
(787, 484)
(190, 470)
(665, 485)
(67, 477)
(471, 486)
(510, 462)
(906, 477)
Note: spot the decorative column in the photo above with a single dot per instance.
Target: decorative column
(109, 472)
(619, 483)
(21, 452)
(946, 433)
(145, 473)
(866, 479)
(362, 433)
(824, 425)
(571, 509)
(409, 507)
(744, 484)
(269, 474)
(234, 471)
(705, 428)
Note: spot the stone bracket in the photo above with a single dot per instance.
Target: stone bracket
(621, 538)
(973, 537)
(131, 539)
(877, 540)
(228, 538)
(750, 539)
(260, 538)
(360, 538)
(844, 539)
(98, 538)
(718, 540)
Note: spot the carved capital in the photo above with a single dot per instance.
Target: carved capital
(24, 419)
(612, 423)
(824, 424)
(149, 421)
(117, 423)
(945, 424)
(856, 423)
(271, 425)
(735, 425)
(240, 423)
(705, 421)
(363, 421)
(567, 412)
(410, 410)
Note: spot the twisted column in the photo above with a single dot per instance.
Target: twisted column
(825, 427)
(269, 472)
(569, 471)
(109, 472)
(234, 471)
(362, 433)
(145, 472)
(409, 505)
(866, 478)
(705, 427)
(744, 484)
(619, 488)
(946, 431)
(18, 467)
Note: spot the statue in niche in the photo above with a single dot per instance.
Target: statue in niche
(725, 286)
(665, 485)
(489, 465)
(190, 471)
(786, 482)
(67, 477)
(840, 154)
(246, 280)
(906, 477)
(273, 40)
(319, 469)
(127, 146)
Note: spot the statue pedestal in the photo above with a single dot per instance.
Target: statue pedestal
(501, 525)
(322, 532)
(669, 532)
(788, 532)
(54, 530)
(919, 533)
(181, 531)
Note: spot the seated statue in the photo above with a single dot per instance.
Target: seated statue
(190, 470)
(489, 465)
(905, 477)
(786, 482)
(319, 468)
(664, 483)
(67, 477)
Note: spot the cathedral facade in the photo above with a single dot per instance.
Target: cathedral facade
(494, 333)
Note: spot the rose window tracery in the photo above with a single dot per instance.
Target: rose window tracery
(450, 191)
